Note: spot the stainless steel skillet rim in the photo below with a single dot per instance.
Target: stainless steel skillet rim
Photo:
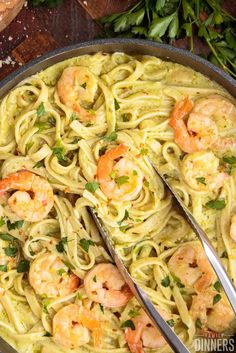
(131, 46)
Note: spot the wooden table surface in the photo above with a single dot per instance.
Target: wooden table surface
(36, 31)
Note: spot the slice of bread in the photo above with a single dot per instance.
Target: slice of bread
(8, 11)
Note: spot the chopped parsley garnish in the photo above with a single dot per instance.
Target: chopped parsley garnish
(73, 116)
(11, 250)
(165, 282)
(61, 271)
(126, 215)
(117, 105)
(39, 164)
(15, 225)
(217, 286)
(41, 126)
(217, 204)
(61, 245)
(144, 151)
(3, 268)
(102, 308)
(113, 174)
(86, 243)
(79, 296)
(134, 312)
(229, 159)
(94, 279)
(135, 172)
(216, 299)
(122, 180)
(59, 152)
(170, 322)
(84, 85)
(23, 266)
(198, 323)
(6, 236)
(2, 222)
(92, 186)
(111, 137)
(46, 302)
(201, 180)
(41, 110)
(128, 323)
(146, 183)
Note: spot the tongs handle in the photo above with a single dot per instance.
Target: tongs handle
(211, 254)
(169, 334)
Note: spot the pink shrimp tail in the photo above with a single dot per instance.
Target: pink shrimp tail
(133, 338)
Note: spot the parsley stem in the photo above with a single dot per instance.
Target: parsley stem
(219, 60)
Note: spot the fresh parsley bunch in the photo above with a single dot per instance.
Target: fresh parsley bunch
(168, 20)
(48, 3)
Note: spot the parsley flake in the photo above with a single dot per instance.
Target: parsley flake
(3, 268)
(216, 299)
(128, 323)
(23, 266)
(61, 245)
(217, 286)
(117, 105)
(201, 180)
(92, 186)
(122, 180)
(170, 322)
(165, 282)
(111, 137)
(86, 243)
(2, 222)
(198, 323)
(15, 225)
(41, 110)
(217, 204)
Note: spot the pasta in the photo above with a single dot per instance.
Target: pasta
(82, 133)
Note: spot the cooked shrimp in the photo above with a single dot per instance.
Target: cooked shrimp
(201, 171)
(76, 86)
(34, 198)
(201, 131)
(110, 173)
(104, 285)
(145, 334)
(72, 325)
(49, 276)
(233, 228)
(7, 263)
(216, 317)
(190, 265)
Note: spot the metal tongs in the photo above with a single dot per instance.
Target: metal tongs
(169, 334)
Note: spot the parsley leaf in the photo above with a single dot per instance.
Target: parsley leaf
(61, 245)
(217, 204)
(144, 151)
(3, 268)
(128, 323)
(198, 323)
(59, 152)
(122, 180)
(111, 137)
(11, 250)
(201, 180)
(217, 286)
(216, 299)
(92, 186)
(61, 271)
(2, 221)
(41, 110)
(229, 159)
(6, 236)
(39, 164)
(23, 266)
(15, 225)
(102, 150)
(165, 282)
(85, 244)
(134, 312)
(73, 116)
(52, 121)
(170, 322)
(47, 334)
